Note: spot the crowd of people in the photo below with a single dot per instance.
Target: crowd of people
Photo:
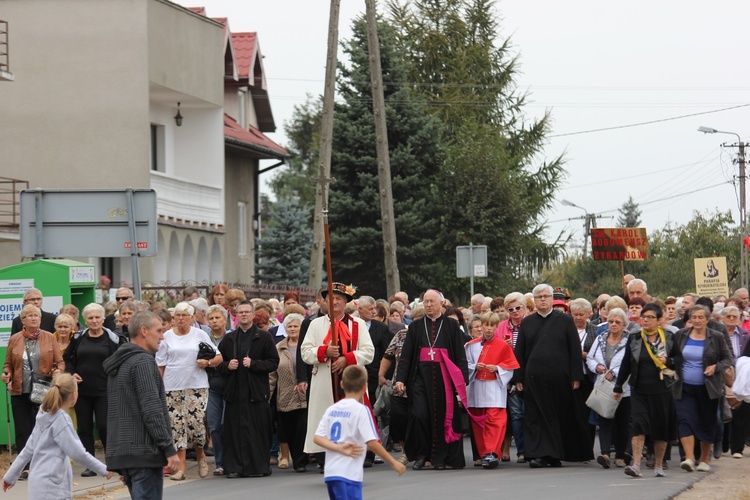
(250, 381)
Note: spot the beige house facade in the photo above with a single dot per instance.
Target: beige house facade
(96, 92)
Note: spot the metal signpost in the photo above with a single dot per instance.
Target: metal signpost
(471, 261)
(89, 223)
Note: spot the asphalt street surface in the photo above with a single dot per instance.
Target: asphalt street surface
(572, 481)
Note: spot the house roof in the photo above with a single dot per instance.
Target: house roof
(252, 139)
(198, 10)
(244, 52)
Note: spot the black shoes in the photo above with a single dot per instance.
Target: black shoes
(418, 464)
(541, 463)
(233, 475)
(88, 473)
(24, 476)
(301, 468)
(368, 463)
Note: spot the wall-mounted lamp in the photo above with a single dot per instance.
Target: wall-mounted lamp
(178, 116)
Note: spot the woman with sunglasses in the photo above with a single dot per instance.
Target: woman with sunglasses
(515, 305)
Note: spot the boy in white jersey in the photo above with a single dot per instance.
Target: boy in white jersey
(344, 430)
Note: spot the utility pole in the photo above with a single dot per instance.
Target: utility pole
(392, 279)
(743, 202)
(326, 136)
(743, 217)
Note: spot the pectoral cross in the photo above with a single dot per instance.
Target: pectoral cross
(431, 354)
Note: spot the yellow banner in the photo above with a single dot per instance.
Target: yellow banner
(711, 276)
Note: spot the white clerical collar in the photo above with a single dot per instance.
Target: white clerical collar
(545, 315)
(368, 323)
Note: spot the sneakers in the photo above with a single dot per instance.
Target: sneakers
(703, 467)
(737, 455)
(490, 461)
(603, 460)
(687, 465)
(633, 471)
(203, 468)
(659, 473)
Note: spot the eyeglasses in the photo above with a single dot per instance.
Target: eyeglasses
(543, 297)
(514, 309)
(648, 316)
(118, 299)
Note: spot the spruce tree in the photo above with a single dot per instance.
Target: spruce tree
(284, 248)
(630, 214)
(413, 137)
(495, 187)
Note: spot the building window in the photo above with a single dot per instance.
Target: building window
(157, 158)
(242, 228)
(242, 105)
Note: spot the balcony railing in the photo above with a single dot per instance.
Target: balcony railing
(4, 52)
(10, 194)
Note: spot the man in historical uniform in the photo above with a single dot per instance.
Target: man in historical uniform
(329, 359)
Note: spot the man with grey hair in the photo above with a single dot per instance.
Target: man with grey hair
(34, 297)
(123, 294)
(477, 300)
(549, 352)
(637, 288)
(139, 432)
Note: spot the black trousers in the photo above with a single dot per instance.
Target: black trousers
(87, 409)
(735, 432)
(292, 429)
(24, 418)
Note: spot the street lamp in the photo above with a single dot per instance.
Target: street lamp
(589, 222)
(743, 208)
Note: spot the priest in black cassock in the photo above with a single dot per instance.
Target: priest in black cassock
(432, 345)
(549, 352)
(250, 355)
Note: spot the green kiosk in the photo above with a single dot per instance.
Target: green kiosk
(61, 282)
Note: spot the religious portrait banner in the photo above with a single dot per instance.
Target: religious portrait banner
(711, 276)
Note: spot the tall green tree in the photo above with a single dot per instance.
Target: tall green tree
(284, 248)
(415, 155)
(303, 131)
(494, 186)
(630, 214)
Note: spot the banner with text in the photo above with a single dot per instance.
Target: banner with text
(626, 243)
(711, 276)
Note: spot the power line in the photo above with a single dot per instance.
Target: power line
(603, 129)
(630, 176)
(649, 202)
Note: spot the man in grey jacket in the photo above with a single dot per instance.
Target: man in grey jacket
(139, 436)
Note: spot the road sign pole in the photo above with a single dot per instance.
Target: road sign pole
(471, 267)
(133, 245)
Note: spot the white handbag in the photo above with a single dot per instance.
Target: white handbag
(602, 400)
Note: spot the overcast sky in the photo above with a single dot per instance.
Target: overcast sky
(593, 64)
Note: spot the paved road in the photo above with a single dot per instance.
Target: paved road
(572, 481)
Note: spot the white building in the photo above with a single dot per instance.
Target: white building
(97, 88)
